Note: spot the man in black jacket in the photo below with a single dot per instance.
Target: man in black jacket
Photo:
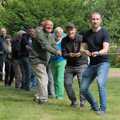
(25, 51)
(3, 36)
(76, 63)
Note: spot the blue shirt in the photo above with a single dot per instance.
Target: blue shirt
(58, 58)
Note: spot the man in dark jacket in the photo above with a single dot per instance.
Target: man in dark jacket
(3, 36)
(76, 63)
(25, 49)
(16, 49)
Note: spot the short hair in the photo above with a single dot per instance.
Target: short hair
(41, 23)
(95, 12)
(20, 32)
(46, 22)
(3, 28)
(27, 27)
(58, 29)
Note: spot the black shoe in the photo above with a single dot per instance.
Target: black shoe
(36, 99)
(82, 103)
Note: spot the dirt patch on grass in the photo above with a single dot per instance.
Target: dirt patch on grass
(114, 74)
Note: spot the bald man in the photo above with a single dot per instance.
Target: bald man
(44, 46)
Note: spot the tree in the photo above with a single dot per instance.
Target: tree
(4, 3)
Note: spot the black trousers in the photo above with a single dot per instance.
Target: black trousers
(70, 72)
(1, 66)
(9, 72)
(26, 72)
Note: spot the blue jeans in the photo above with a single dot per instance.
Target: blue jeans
(33, 82)
(100, 72)
(2, 59)
(26, 73)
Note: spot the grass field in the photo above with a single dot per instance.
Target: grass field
(115, 70)
(18, 105)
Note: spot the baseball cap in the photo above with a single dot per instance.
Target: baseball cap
(70, 25)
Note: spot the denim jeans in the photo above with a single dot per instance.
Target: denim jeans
(1, 66)
(70, 72)
(33, 83)
(100, 72)
(26, 73)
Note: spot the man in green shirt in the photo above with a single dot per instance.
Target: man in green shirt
(43, 46)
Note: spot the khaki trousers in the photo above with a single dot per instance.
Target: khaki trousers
(18, 74)
(41, 74)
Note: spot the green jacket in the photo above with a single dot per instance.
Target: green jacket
(43, 46)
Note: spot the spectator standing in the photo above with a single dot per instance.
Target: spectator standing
(58, 66)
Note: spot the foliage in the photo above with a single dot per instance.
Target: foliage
(20, 13)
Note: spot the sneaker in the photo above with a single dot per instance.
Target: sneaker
(97, 111)
(102, 113)
(42, 101)
(36, 99)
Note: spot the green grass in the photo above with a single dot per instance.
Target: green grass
(115, 70)
(18, 105)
